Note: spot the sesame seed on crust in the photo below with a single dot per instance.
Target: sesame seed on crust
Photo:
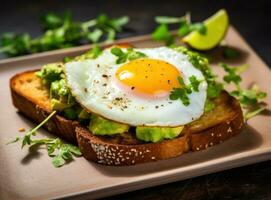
(229, 130)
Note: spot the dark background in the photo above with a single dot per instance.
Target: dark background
(251, 18)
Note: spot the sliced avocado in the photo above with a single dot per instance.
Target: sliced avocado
(84, 114)
(156, 134)
(84, 117)
(101, 126)
(58, 105)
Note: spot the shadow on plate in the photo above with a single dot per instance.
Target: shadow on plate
(249, 139)
(33, 153)
(217, 55)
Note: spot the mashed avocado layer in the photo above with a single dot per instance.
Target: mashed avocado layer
(101, 126)
(156, 134)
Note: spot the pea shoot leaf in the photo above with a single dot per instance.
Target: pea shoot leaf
(162, 33)
(232, 75)
(58, 161)
(15, 44)
(168, 20)
(253, 113)
(53, 20)
(200, 27)
(251, 98)
(183, 91)
(61, 31)
(201, 62)
(95, 35)
(184, 29)
(214, 89)
(194, 83)
(60, 152)
(180, 93)
(130, 54)
(118, 23)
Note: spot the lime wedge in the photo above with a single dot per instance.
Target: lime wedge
(216, 25)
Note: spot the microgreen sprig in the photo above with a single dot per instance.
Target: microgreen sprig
(130, 54)
(250, 99)
(162, 33)
(184, 90)
(59, 151)
(201, 62)
(62, 32)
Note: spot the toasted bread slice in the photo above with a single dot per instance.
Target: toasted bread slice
(31, 97)
(103, 149)
(218, 125)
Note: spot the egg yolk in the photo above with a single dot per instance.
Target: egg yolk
(149, 76)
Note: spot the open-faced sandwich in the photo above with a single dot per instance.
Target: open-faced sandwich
(125, 106)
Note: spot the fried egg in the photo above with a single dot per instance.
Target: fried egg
(137, 92)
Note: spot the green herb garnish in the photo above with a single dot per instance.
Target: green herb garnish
(232, 76)
(15, 44)
(209, 105)
(201, 62)
(62, 32)
(130, 54)
(250, 99)
(254, 112)
(60, 152)
(200, 27)
(194, 83)
(54, 20)
(170, 20)
(162, 33)
(183, 91)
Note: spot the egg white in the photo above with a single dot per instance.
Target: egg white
(93, 84)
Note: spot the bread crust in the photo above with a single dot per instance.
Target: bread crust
(220, 132)
(99, 149)
(31, 98)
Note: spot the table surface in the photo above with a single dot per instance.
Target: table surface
(252, 19)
